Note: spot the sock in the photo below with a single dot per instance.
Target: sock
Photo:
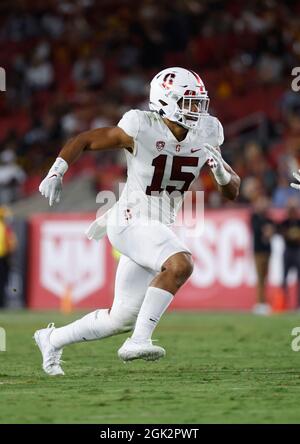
(95, 325)
(155, 304)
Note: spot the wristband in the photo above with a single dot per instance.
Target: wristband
(60, 167)
(223, 177)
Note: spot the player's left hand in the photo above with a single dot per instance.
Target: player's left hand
(297, 177)
(216, 163)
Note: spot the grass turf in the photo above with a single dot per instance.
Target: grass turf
(219, 368)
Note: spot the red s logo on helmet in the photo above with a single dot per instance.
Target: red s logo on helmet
(168, 80)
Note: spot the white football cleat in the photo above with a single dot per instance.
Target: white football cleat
(132, 349)
(51, 355)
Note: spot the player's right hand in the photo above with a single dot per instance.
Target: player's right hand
(51, 187)
(297, 177)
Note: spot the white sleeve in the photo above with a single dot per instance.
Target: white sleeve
(130, 123)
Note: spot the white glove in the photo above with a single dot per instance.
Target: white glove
(297, 177)
(216, 164)
(51, 186)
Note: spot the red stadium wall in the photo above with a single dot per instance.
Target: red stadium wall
(64, 264)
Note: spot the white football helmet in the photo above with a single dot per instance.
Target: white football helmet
(179, 95)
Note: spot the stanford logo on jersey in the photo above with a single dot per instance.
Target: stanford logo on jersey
(160, 145)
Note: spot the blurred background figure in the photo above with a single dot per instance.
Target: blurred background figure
(290, 230)
(11, 177)
(8, 244)
(263, 229)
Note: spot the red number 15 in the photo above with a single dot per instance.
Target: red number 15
(159, 164)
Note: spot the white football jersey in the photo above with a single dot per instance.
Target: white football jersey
(160, 164)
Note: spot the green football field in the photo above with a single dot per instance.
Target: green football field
(219, 368)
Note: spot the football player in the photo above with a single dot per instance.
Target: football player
(165, 148)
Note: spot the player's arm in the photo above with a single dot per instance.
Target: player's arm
(227, 180)
(230, 190)
(94, 140)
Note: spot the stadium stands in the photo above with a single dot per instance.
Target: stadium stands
(81, 64)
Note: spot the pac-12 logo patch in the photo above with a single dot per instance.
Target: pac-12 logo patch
(160, 145)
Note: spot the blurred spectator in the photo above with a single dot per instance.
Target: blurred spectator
(290, 102)
(283, 193)
(290, 230)
(133, 83)
(88, 72)
(8, 244)
(11, 177)
(269, 68)
(66, 58)
(40, 73)
(53, 24)
(262, 228)
(258, 167)
(251, 189)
